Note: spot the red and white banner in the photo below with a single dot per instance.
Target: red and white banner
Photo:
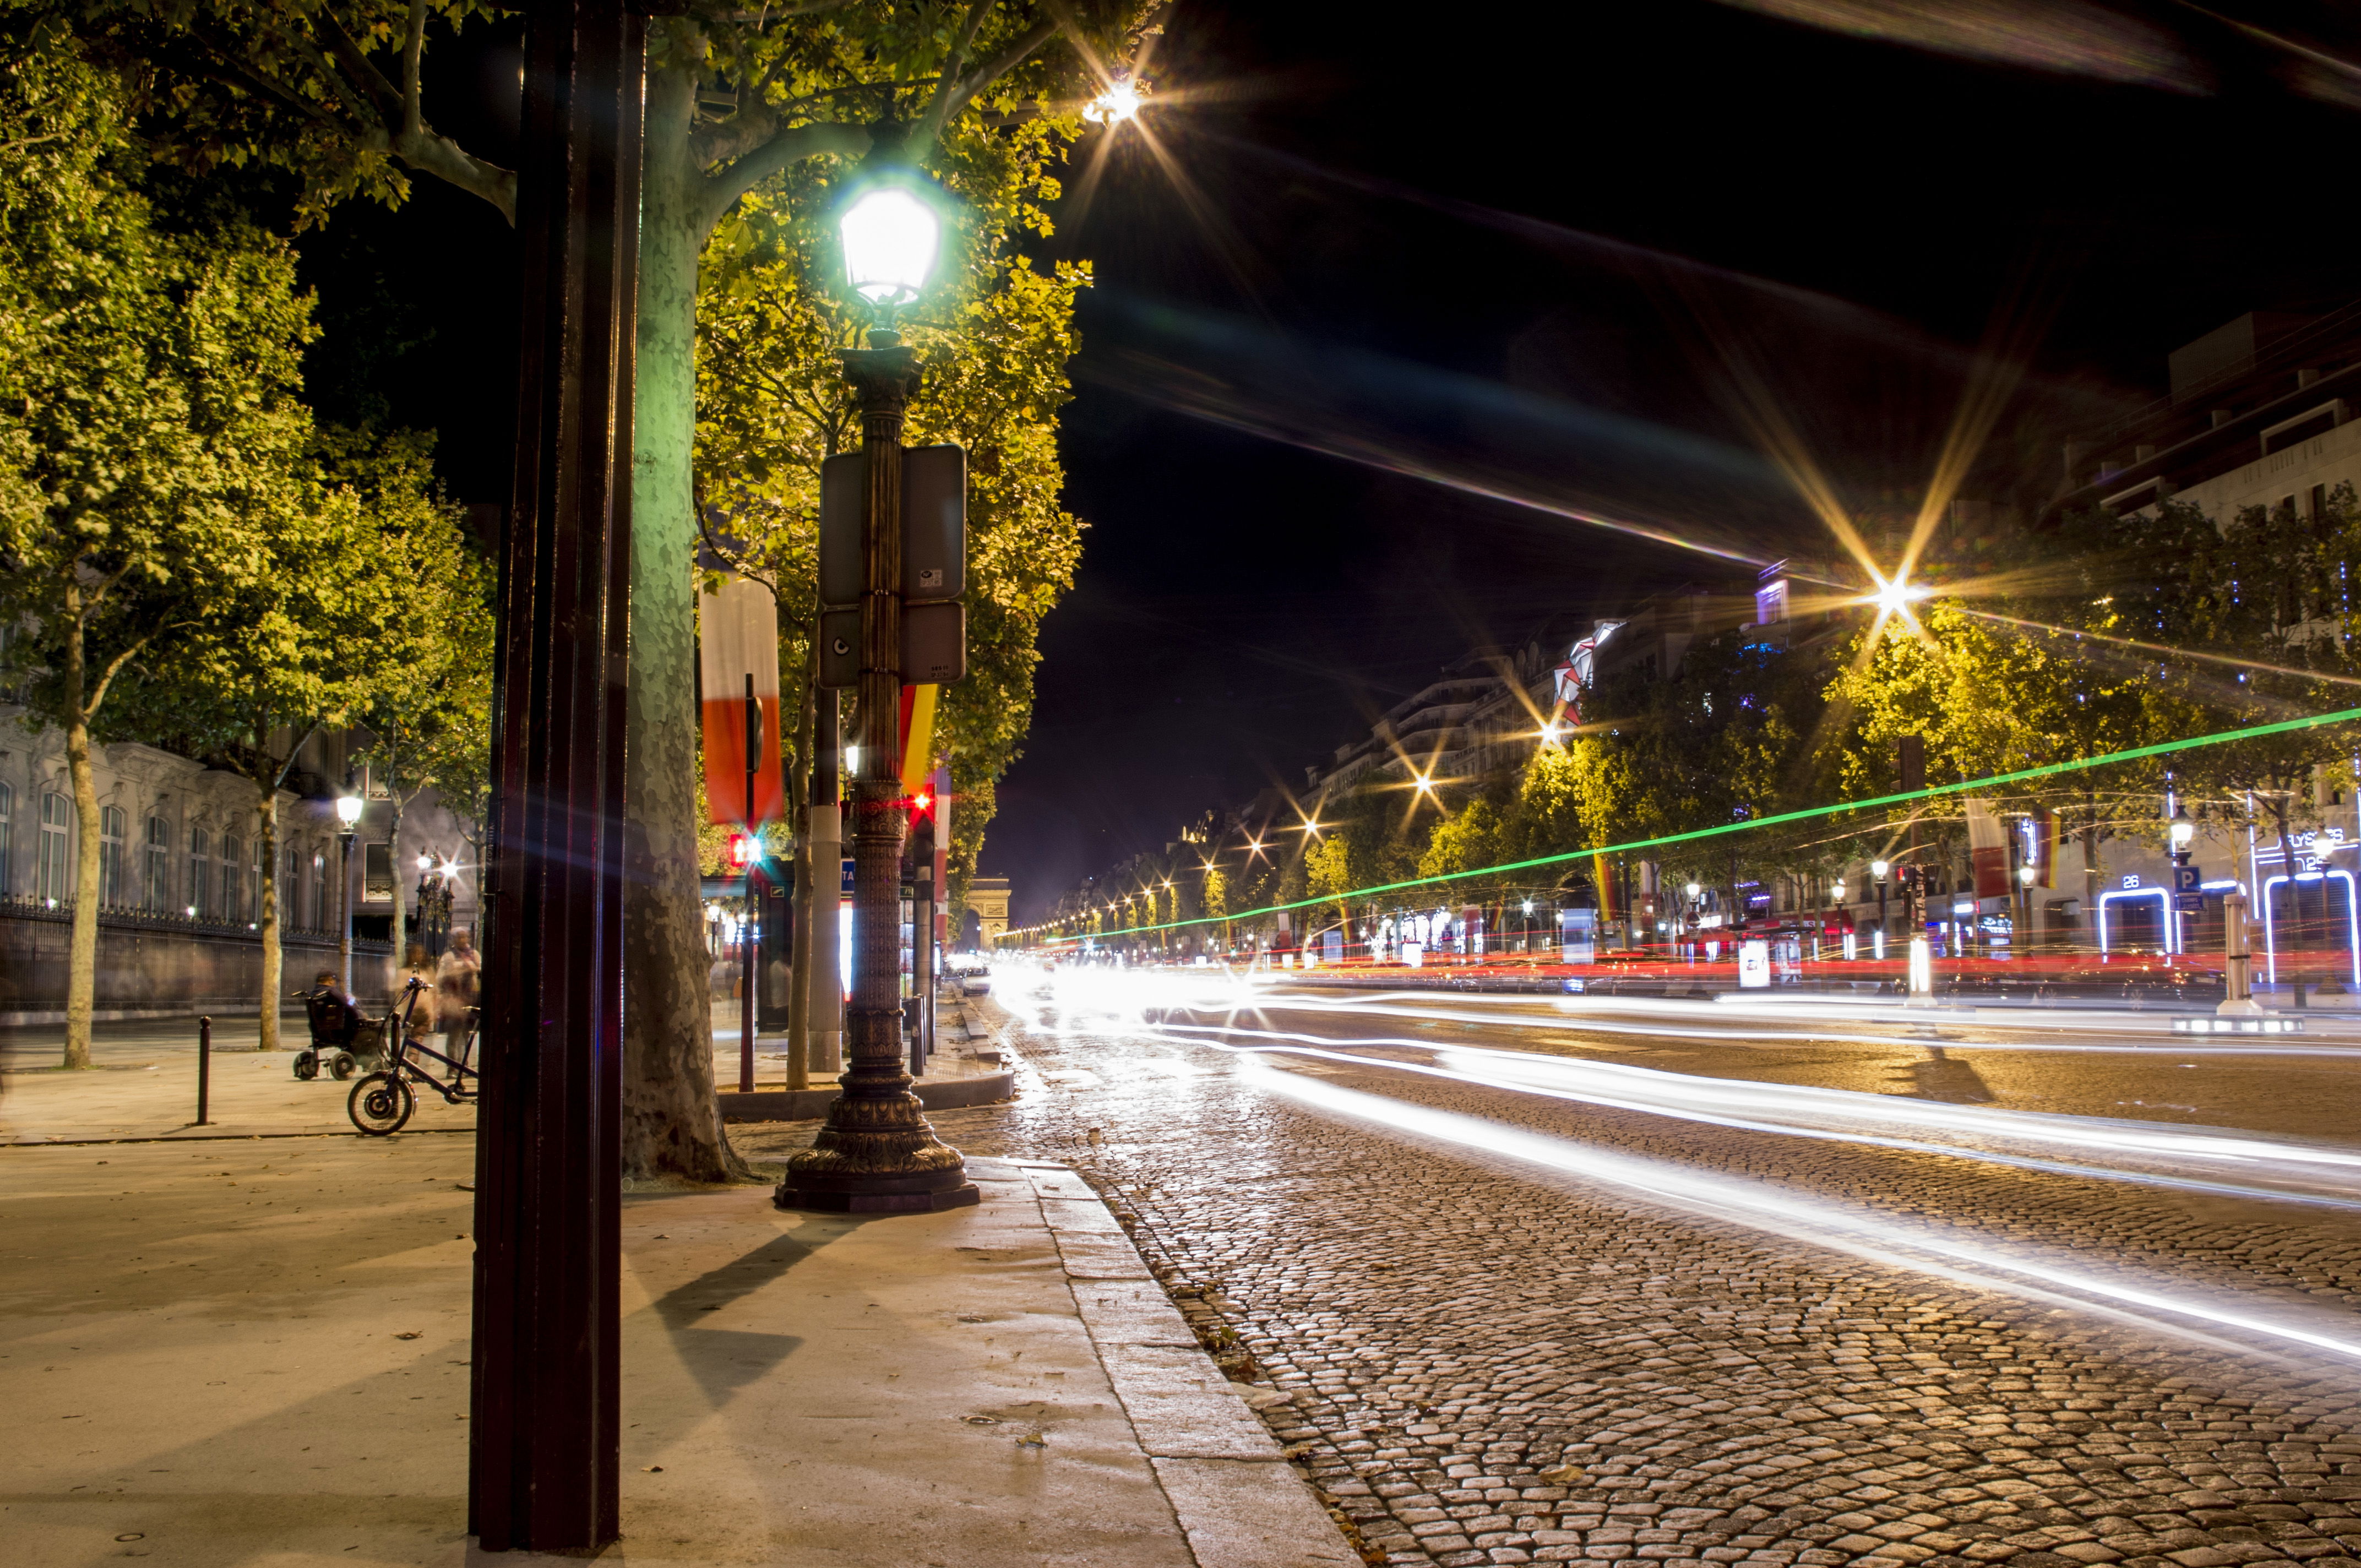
(738, 664)
(1988, 849)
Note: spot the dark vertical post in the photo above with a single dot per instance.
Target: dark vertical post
(922, 965)
(543, 1441)
(827, 892)
(205, 1066)
(750, 956)
(877, 1154)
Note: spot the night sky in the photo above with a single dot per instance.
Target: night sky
(1422, 267)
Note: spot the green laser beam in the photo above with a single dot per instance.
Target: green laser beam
(2160, 748)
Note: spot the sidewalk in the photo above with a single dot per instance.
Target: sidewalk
(144, 1083)
(257, 1352)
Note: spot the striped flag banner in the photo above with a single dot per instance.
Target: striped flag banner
(738, 666)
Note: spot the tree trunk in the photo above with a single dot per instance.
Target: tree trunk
(266, 812)
(82, 961)
(672, 1122)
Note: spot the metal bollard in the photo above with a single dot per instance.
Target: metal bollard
(204, 1066)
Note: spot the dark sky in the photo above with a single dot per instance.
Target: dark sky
(1428, 258)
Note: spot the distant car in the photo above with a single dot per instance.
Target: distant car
(975, 982)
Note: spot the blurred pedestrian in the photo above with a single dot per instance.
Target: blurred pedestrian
(455, 983)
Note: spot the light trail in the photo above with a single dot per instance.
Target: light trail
(1573, 1017)
(1849, 1117)
(1910, 1248)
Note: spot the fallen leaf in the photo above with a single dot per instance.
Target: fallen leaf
(412, 1334)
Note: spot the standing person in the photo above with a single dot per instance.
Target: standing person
(455, 986)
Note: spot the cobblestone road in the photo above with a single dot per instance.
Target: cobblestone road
(1482, 1361)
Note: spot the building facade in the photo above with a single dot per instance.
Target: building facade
(182, 871)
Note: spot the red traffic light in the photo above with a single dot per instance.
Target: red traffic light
(744, 851)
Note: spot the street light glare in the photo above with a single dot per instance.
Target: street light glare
(1895, 596)
(349, 809)
(890, 238)
(1120, 101)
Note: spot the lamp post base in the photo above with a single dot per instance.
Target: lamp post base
(929, 1193)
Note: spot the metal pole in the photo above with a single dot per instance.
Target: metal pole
(877, 1154)
(546, 1364)
(827, 895)
(345, 936)
(922, 959)
(749, 957)
(205, 1066)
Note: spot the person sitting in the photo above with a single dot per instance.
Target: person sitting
(335, 1020)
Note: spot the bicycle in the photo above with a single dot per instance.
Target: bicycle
(383, 1102)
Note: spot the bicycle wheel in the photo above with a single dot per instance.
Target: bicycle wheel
(380, 1103)
(342, 1066)
(307, 1064)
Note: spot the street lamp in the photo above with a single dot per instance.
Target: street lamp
(877, 1154)
(349, 820)
(2184, 833)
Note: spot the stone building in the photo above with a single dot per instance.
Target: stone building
(181, 876)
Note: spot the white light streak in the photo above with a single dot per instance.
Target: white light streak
(1916, 1249)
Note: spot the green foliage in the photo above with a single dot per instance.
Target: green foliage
(1466, 841)
(428, 710)
(1328, 870)
(2267, 587)
(1984, 698)
(150, 421)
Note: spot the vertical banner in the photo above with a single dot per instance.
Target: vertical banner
(1988, 849)
(2045, 838)
(917, 738)
(738, 652)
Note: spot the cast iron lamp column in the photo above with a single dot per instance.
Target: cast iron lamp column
(877, 1154)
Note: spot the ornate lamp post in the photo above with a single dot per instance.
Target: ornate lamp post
(877, 1154)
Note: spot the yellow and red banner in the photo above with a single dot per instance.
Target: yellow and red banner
(917, 738)
(738, 666)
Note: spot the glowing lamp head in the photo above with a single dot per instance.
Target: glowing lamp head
(1896, 595)
(2027, 876)
(349, 809)
(891, 236)
(2184, 831)
(1693, 890)
(1837, 890)
(425, 863)
(1120, 101)
(1878, 869)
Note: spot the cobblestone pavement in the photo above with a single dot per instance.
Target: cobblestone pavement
(1480, 1361)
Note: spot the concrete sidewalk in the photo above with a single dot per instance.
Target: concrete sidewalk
(233, 1353)
(144, 1083)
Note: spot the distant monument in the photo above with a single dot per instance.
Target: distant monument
(988, 898)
